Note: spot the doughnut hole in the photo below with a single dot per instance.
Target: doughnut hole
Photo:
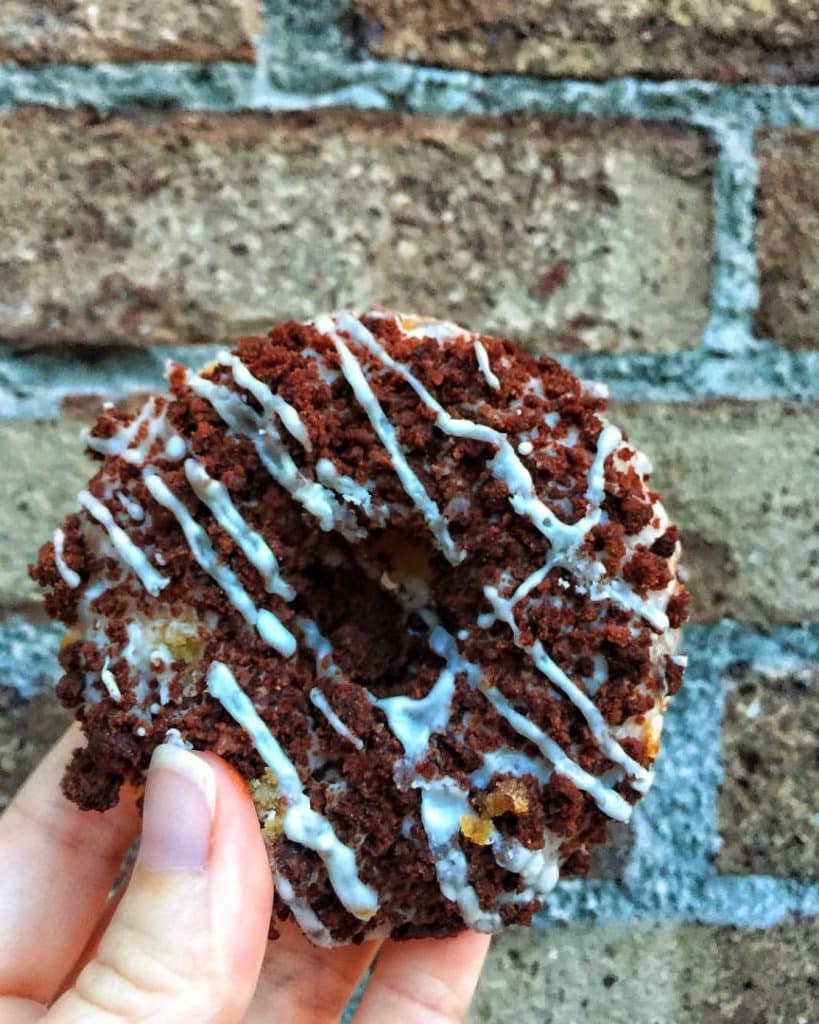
(403, 559)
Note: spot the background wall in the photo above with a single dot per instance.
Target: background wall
(175, 173)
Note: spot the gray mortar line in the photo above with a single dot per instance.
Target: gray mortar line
(28, 654)
(221, 86)
(734, 275)
(372, 84)
(34, 383)
(743, 901)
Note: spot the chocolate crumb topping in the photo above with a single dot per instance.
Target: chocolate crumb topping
(409, 582)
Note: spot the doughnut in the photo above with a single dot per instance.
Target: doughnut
(409, 582)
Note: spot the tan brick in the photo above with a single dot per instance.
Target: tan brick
(788, 237)
(42, 469)
(89, 31)
(651, 974)
(27, 730)
(768, 806)
(565, 233)
(740, 479)
(726, 40)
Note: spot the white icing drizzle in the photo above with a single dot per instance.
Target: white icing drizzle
(312, 496)
(269, 627)
(300, 822)
(257, 551)
(121, 442)
(600, 674)
(440, 330)
(110, 683)
(131, 555)
(132, 507)
(639, 777)
(124, 437)
(306, 918)
(508, 762)
(484, 366)
(418, 724)
(156, 428)
(134, 653)
(71, 578)
(413, 721)
(175, 448)
(161, 656)
(620, 593)
(272, 404)
(318, 700)
(350, 490)
(539, 869)
(443, 804)
(385, 431)
(174, 737)
(325, 666)
(320, 646)
(610, 802)
(85, 615)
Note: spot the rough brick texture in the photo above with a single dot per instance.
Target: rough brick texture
(652, 974)
(88, 31)
(740, 477)
(767, 806)
(788, 236)
(726, 40)
(571, 233)
(42, 468)
(27, 730)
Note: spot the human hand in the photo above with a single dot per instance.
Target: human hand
(185, 942)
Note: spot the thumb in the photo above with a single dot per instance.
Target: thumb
(186, 942)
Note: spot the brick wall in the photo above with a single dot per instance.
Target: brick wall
(174, 173)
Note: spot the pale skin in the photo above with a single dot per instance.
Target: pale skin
(185, 941)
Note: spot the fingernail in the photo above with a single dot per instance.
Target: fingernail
(180, 798)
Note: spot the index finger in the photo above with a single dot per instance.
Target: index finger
(57, 866)
(424, 981)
